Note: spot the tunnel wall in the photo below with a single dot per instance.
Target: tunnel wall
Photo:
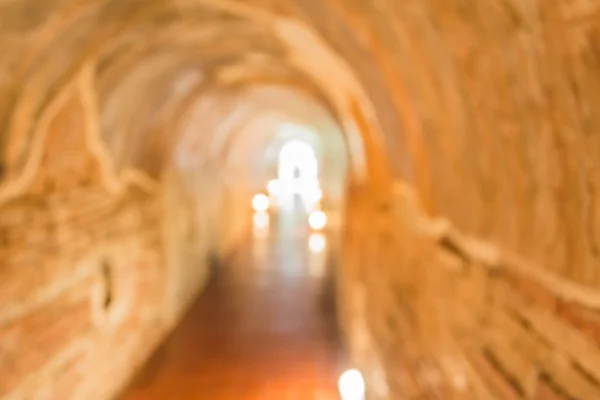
(186, 239)
(86, 278)
(234, 215)
(444, 315)
(488, 113)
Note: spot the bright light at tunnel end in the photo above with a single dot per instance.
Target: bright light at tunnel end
(351, 385)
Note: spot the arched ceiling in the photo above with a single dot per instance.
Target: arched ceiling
(486, 108)
(141, 52)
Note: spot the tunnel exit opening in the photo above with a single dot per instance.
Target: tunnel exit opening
(297, 176)
(275, 159)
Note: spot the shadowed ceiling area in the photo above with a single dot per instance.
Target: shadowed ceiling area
(458, 139)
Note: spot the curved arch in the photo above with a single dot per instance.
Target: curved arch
(297, 170)
(29, 102)
(297, 160)
(234, 111)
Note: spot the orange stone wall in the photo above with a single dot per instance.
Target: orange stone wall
(440, 314)
(485, 112)
(84, 269)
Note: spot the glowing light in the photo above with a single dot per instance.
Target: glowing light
(312, 194)
(317, 220)
(260, 203)
(317, 242)
(260, 220)
(297, 156)
(274, 187)
(351, 385)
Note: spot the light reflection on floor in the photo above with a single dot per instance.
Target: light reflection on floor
(261, 221)
(263, 328)
(317, 242)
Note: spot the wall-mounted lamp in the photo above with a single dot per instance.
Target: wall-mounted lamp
(260, 203)
(317, 220)
(351, 385)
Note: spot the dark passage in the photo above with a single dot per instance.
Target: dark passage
(263, 329)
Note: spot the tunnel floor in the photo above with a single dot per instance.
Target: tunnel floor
(264, 328)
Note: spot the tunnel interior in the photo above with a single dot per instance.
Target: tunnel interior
(458, 175)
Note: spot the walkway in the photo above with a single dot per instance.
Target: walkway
(263, 329)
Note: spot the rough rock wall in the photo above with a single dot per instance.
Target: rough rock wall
(487, 109)
(447, 316)
(495, 131)
(495, 123)
(83, 267)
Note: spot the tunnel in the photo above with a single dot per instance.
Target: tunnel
(454, 253)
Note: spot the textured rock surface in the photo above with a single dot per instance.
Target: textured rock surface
(81, 269)
(444, 315)
(485, 109)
